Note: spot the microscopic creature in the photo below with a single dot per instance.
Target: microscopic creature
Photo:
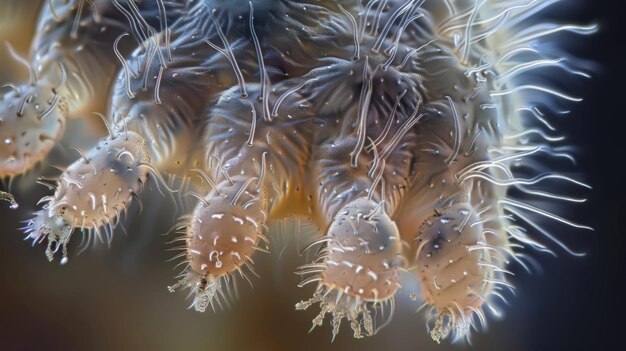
(415, 135)
(67, 72)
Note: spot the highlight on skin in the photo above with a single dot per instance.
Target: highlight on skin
(414, 135)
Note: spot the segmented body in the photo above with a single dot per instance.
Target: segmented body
(398, 128)
(71, 65)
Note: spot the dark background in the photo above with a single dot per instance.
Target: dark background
(115, 299)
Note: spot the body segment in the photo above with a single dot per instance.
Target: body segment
(407, 132)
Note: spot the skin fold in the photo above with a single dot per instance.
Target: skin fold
(408, 133)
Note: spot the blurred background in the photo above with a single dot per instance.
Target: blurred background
(116, 298)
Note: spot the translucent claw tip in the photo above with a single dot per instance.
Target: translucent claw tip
(341, 307)
(54, 229)
(205, 290)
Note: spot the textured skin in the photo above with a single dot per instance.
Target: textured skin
(406, 132)
(68, 74)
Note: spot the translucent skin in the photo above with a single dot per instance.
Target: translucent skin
(93, 191)
(234, 242)
(402, 130)
(32, 122)
(454, 272)
(369, 271)
(71, 66)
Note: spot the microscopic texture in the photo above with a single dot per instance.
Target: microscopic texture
(415, 136)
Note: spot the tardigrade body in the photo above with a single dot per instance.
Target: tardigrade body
(409, 132)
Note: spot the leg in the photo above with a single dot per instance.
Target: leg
(357, 186)
(255, 170)
(93, 192)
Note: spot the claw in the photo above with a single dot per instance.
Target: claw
(340, 307)
(54, 229)
(205, 289)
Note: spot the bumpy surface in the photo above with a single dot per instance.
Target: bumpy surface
(415, 135)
